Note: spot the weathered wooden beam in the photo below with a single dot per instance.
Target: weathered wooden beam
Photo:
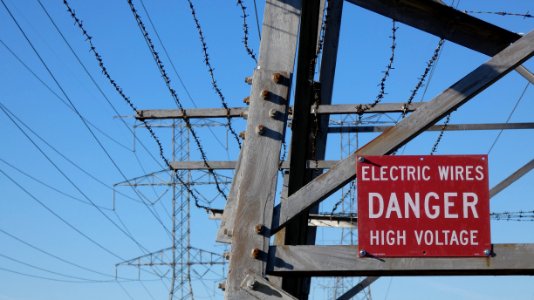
(507, 259)
(230, 164)
(320, 220)
(241, 112)
(358, 288)
(395, 137)
(444, 22)
(449, 127)
(198, 113)
(260, 157)
(525, 73)
(512, 178)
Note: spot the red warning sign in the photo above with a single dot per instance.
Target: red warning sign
(416, 206)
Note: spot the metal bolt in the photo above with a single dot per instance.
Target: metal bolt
(363, 253)
(248, 79)
(226, 255)
(487, 252)
(258, 228)
(252, 284)
(246, 100)
(273, 113)
(243, 134)
(277, 77)
(222, 285)
(265, 94)
(255, 253)
(361, 159)
(260, 129)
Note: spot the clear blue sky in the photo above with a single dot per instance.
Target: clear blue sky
(363, 54)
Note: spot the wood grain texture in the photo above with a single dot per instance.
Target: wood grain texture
(261, 154)
(508, 259)
(395, 137)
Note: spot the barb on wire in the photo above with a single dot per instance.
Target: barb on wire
(245, 30)
(500, 13)
(440, 136)
(211, 71)
(360, 109)
(422, 78)
(514, 216)
(78, 22)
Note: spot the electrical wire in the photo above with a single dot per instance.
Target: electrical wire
(86, 126)
(59, 217)
(509, 116)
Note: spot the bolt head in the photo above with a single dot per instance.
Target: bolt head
(265, 94)
(246, 100)
(260, 129)
(255, 253)
(277, 77)
(252, 284)
(361, 159)
(272, 113)
(258, 228)
(487, 252)
(363, 253)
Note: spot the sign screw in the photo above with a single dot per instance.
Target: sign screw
(487, 252)
(361, 159)
(363, 253)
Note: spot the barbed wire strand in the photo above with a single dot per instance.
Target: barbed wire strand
(120, 91)
(500, 13)
(211, 71)
(174, 95)
(244, 15)
(360, 109)
(440, 136)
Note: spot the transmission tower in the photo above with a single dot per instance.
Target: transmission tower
(181, 256)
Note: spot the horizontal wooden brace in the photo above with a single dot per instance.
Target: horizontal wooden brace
(507, 259)
(243, 111)
(230, 165)
(450, 127)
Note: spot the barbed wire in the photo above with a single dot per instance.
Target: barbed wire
(211, 71)
(360, 109)
(423, 77)
(440, 136)
(500, 13)
(78, 22)
(519, 216)
(245, 30)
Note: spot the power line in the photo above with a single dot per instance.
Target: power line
(50, 271)
(48, 186)
(501, 13)
(2, 107)
(108, 101)
(59, 217)
(86, 126)
(509, 116)
(257, 19)
(59, 97)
